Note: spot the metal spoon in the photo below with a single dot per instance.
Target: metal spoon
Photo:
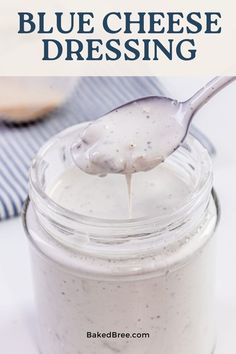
(190, 107)
(163, 124)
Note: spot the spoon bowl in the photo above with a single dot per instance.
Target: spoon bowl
(140, 134)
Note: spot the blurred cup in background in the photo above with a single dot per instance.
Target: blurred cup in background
(25, 99)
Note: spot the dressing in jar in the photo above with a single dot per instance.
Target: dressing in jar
(110, 282)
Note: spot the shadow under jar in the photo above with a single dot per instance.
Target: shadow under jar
(143, 285)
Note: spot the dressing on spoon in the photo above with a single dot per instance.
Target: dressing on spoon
(139, 135)
(135, 137)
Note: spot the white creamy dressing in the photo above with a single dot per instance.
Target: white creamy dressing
(136, 137)
(153, 192)
(133, 138)
(174, 306)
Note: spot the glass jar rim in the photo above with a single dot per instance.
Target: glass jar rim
(44, 203)
(37, 190)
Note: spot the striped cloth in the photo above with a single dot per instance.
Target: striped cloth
(92, 98)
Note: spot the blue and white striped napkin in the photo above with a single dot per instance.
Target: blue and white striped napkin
(92, 98)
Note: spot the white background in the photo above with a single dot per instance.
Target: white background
(218, 121)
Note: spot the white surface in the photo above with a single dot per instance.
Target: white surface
(17, 316)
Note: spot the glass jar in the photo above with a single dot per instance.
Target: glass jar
(135, 286)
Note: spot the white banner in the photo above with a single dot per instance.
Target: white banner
(184, 37)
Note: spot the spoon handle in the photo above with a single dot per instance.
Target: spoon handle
(208, 91)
